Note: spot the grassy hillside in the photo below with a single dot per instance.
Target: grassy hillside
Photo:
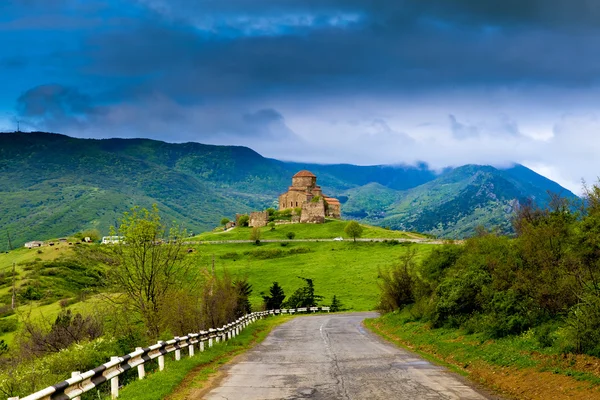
(348, 270)
(53, 185)
(329, 230)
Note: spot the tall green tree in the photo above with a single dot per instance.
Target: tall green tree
(243, 289)
(150, 263)
(354, 230)
(275, 297)
(304, 296)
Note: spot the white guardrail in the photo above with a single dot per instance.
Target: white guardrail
(80, 383)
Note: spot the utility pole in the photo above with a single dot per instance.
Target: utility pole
(18, 126)
(14, 292)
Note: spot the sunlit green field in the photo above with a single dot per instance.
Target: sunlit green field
(342, 268)
(329, 230)
(346, 269)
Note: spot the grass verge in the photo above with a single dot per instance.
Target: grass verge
(181, 377)
(514, 366)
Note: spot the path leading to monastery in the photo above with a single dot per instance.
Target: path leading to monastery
(334, 357)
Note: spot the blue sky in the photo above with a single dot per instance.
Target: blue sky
(447, 82)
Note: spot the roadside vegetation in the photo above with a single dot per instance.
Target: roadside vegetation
(523, 302)
(76, 306)
(141, 290)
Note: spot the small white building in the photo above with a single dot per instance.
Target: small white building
(112, 239)
(35, 243)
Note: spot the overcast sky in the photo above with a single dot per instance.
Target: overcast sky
(447, 82)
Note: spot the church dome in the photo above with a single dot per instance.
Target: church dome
(305, 174)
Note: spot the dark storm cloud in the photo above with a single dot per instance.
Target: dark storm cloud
(56, 106)
(194, 50)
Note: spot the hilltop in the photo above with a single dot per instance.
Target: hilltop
(53, 185)
(329, 230)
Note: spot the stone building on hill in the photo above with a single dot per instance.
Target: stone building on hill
(307, 195)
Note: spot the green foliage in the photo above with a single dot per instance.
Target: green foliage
(275, 297)
(8, 325)
(255, 235)
(290, 235)
(335, 305)
(38, 373)
(224, 221)
(354, 230)
(304, 296)
(271, 226)
(244, 220)
(243, 290)
(397, 284)
(150, 265)
(30, 293)
(544, 280)
(315, 199)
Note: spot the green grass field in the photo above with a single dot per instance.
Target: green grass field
(329, 230)
(345, 269)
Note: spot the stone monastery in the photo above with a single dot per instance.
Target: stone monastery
(307, 195)
(304, 195)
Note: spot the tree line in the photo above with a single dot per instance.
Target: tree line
(544, 279)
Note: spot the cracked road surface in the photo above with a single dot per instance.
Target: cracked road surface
(334, 357)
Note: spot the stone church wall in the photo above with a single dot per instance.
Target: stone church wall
(258, 219)
(313, 213)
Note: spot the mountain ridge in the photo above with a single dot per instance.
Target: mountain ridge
(53, 185)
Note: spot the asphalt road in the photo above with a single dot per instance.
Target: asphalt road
(334, 357)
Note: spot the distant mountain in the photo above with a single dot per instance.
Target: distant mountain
(53, 185)
(456, 202)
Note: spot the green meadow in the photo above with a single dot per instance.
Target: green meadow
(345, 269)
(329, 230)
(342, 268)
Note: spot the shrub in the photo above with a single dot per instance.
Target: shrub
(243, 220)
(232, 255)
(335, 305)
(8, 325)
(290, 235)
(31, 293)
(299, 250)
(265, 254)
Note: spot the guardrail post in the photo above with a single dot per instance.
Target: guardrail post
(177, 351)
(161, 359)
(73, 375)
(191, 347)
(201, 345)
(114, 383)
(141, 369)
(210, 339)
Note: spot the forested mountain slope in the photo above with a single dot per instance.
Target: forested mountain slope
(53, 185)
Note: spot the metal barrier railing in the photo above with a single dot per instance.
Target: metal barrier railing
(80, 383)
